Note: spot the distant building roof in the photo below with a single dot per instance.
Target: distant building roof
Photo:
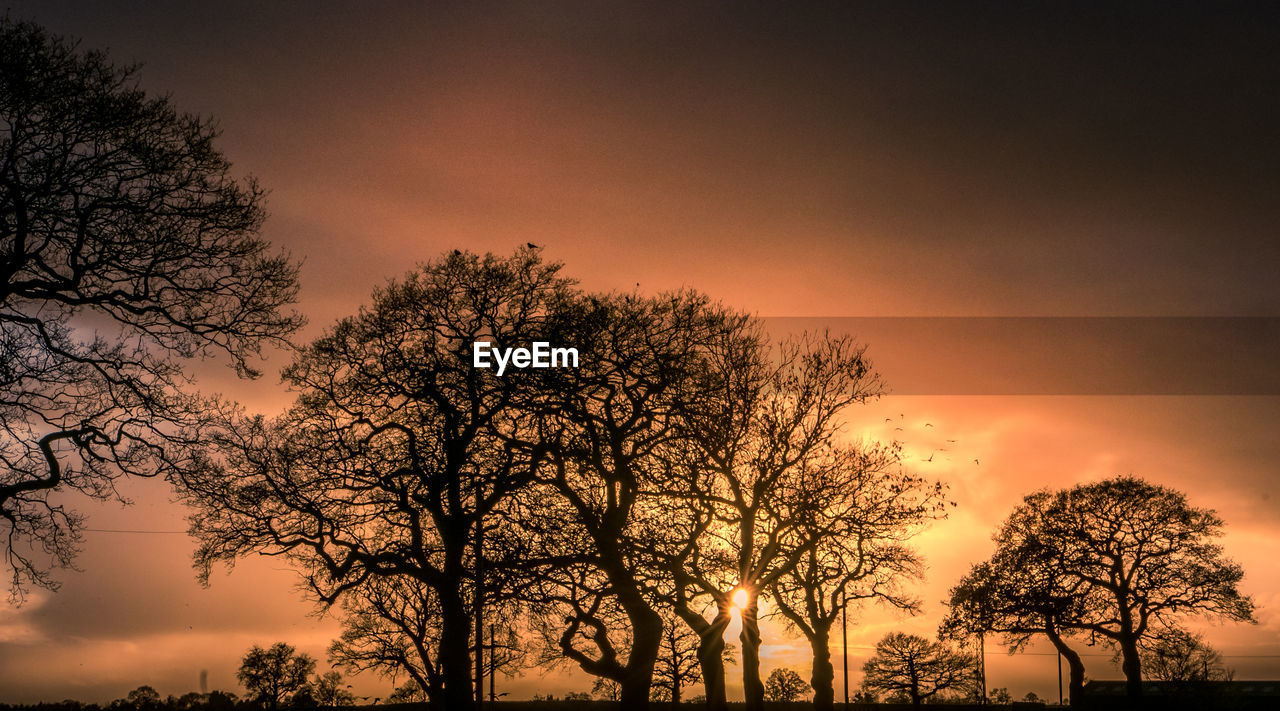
(1169, 688)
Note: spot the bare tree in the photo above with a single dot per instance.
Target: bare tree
(870, 509)
(391, 458)
(327, 689)
(785, 685)
(920, 668)
(126, 247)
(603, 428)
(391, 626)
(1176, 655)
(678, 665)
(1145, 556)
(770, 418)
(1022, 593)
(272, 674)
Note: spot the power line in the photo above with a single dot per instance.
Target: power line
(1085, 654)
(126, 530)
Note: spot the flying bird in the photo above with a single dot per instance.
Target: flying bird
(928, 424)
(975, 462)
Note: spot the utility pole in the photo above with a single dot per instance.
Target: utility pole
(479, 593)
(1059, 678)
(982, 666)
(844, 639)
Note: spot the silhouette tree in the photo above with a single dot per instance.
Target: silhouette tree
(1000, 696)
(328, 689)
(678, 665)
(869, 509)
(126, 247)
(606, 689)
(391, 626)
(784, 685)
(408, 693)
(1176, 655)
(765, 425)
(143, 698)
(604, 428)
(1022, 592)
(391, 458)
(1142, 555)
(917, 667)
(270, 675)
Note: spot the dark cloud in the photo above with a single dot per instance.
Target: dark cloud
(1049, 158)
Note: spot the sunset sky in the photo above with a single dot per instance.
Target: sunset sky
(808, 165)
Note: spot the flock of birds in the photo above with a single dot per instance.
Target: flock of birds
(928, 425)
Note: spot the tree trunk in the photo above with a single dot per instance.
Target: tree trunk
(478, 601)
(646, 635)
(752, 687)
(823, 678)
(711, 656)
(646, 641)
(1132, 666)
(455, 651)
(1074, 664)
(674, 650)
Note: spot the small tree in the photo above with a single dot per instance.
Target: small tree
(328, 690)
(917, 667)
(391, 626)
(1000, 696)
(1179, 656)
(785, 684)
(606, 689)
(678, 665)
(860, 548)
(144, 697)
(407, 693)
(271, 675)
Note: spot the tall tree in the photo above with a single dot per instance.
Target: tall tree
(126, 247)
(870, 509)
(769, 419)
(603, 428)
(391, 458)
(274, 673)
(915, 666)
(695, 559)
